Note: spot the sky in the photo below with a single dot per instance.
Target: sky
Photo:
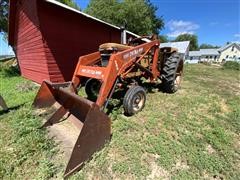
(213, 21)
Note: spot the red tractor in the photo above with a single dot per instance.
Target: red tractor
(113, 67)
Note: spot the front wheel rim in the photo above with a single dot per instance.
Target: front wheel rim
(138, 102)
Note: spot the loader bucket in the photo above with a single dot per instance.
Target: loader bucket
(94, 125)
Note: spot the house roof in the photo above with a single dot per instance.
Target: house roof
(182, 46)
(209, 52)
(229, 45)
(194, 53)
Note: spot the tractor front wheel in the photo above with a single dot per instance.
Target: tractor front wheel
(92, 88)
(172, 72)
(134, 100)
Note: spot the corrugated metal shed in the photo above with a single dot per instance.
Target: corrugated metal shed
(213, 52)
(194, 53)
(183, 46)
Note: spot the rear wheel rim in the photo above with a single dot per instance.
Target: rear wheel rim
(178, 78)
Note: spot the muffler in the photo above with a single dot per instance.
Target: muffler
(93, 124)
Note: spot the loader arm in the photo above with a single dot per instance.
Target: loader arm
(118, 64)
(89, 59)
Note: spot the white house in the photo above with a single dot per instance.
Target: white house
(193, 57)
(209, 55)
(230, 52)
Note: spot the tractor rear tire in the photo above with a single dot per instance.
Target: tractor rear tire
(134, 100)
(172, 73)
(92, 88)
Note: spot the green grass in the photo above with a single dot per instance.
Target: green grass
(192, 134)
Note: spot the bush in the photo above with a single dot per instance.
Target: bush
(234, 65)
(9, 69)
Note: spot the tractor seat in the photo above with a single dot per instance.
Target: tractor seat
(113, 47)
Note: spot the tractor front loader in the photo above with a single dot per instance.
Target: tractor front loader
(114, 66)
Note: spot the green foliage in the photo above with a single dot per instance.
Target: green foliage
(137, 16)
(189, 37)
(70, 3)
(234, 65)
(26, 152)
(208, 46)
(4, 16)
(163, 39)
(195, 135)
(7, 68)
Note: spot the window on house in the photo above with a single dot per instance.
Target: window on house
(207, 57)
(191, 58)
(210, 57)
(233, 48)
(226, 56)
(215, 57)
(234, 57)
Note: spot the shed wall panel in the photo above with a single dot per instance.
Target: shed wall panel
(68, 36)
(28, 42)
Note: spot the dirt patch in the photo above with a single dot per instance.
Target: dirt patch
(214, 177)
(157, 172)
(181, 165)
(26, 87)
(224, 107)
(210, 149)
(65, 135)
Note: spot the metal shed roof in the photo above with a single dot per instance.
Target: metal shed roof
(194, 53)
(182, 46)
(209, 52)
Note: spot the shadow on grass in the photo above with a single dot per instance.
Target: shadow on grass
(119, 95)
(10, 109)
(11, 71)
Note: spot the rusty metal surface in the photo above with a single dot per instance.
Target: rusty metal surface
(94, 125)
(95, 133)
(119, 63)
(47, 93)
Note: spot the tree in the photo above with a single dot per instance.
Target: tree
(137, 16)
(189, 37)
(4, 4)
(70, 3)
(163, 39)
(208, 46)
(3, 16)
